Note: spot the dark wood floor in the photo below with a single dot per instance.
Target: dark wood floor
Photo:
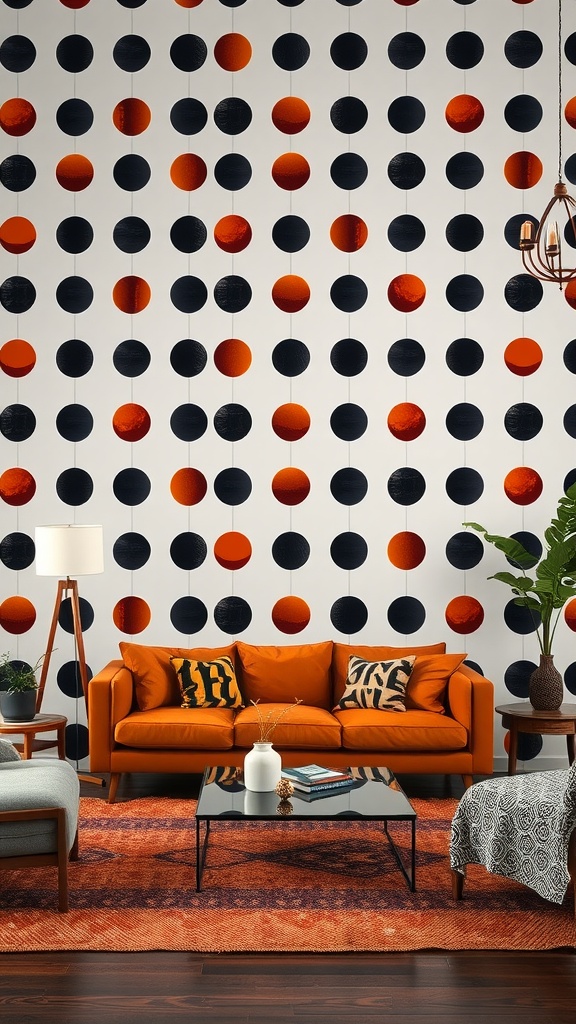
(396, 988)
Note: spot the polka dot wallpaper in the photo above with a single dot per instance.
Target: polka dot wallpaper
(263, 316)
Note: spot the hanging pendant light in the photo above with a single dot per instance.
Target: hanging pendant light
(542, 252)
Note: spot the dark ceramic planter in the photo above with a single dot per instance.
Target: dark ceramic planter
(546, 688)
(18, 707)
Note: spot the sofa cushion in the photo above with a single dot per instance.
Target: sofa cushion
(175, 728)
(341, 654)
(414, 731)
(284, 674)
(301, 728)
(155, 682)
(376, 684)
(428, 680)
(207, 684)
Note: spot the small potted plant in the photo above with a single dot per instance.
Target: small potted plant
(18, 689)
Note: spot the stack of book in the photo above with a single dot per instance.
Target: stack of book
(312, 780)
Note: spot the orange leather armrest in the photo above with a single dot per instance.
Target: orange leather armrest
(110, 696)
(471, 700)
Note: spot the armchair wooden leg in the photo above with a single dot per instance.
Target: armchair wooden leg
(468, 781)
(457, 885)
(572, 865)
(113, 788)
(73, 855)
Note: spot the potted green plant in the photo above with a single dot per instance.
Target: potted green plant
(546, 582)
(18, 691)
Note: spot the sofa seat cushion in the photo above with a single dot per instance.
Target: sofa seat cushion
(365, 729)
(286, 673)
(178, 728)
(301, 728)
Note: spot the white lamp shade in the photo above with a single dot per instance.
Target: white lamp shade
(69, 550)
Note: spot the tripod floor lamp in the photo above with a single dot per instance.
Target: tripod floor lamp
(65, 551)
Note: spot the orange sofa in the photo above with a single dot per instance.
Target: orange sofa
(137, 723)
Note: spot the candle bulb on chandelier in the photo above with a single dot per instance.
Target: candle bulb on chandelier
(552, 238)
(526, 231)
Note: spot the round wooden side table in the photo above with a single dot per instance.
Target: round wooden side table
(524, 718)
(28, 730)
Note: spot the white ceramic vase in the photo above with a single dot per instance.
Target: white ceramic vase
(262, 768)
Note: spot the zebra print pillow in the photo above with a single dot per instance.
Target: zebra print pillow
(376, 684)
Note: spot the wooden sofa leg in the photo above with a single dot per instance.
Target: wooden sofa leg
(73, 855)
(114, 782)
(62, 861)
(457, 885)
(468, 781)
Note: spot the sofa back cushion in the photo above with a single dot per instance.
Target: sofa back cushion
(281, 675)
(155, 681)
(426, 689)
(341, 654)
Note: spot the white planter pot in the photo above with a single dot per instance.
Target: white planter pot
(262, 768)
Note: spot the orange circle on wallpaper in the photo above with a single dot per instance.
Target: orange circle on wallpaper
(232, 550)
(17, 117)
(406, 550)
(464, 113)
(17, 358)
(348, 233)
(523, 356)
(570, 615)
(523, 485)
(464, 614)
(233, 51)
(570, 112)
(291, 115)
(232, 357)
(131, 422)
(188, 486)
(188, 172)
(523, 169)
(232, 233)
(131, 614)
(291, 293)
(290, 486)
(406, 292)
(131, 116)
(291, 614)
(188, 3)
(570, 294)
(291, 421)
(131, 294)
(291, 171)
(406, 421)
(17, 486)
(17, 234)
(17, 615)
(74, 172)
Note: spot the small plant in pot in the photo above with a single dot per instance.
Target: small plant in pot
(18, 689)
(546, 583)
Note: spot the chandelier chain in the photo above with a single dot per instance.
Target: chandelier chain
(559, 90)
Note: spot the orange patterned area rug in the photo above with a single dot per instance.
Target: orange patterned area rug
(270, 886)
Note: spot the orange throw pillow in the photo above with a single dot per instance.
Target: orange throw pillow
(155, 681)
(428, 681)
(280, 675)
(343, 652)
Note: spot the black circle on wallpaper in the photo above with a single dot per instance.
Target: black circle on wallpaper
(188, 294)
(74, 294)
(17, 551)
(74, 117)
(349, 293)
(232, 115)
(464, 485)
(188, 615)
(523, 421)
(569, 235)
(464, 170)
(569, 421)
(75, 234)
(74, 358)
(75, 53)
(74, 422)
(349, 51)
(406, 170)
(523, 292)
(406, 357)
(188, 234)
(464, 550)
(523, 113)
(131, 234)
(570, 168)
(188, 52)
(232, 421)
(131, 551)
(291, 51)
(291, 233)
(464, 232)
(17, 5)
(188, 551)
(346, 3)
(520, 619)
(512, 228)
(188, 116)
(349, 614)
(569, 356)
(523, 49)
(232, 486)
(290, 357)
(17, 422)
(17, 53)
(66, 620)
(349, 357)
(349, 171)
(406, 50)
(17, 173)
(464, 292)
(233, 171)
(131, 486)
(570, 48)
(232, 615)
(17, 294)
(406, 232)
(464, 421)
(76, 741)
(232, 293)
(349, 486)
(570, 678)
(290, 3)
(349, 421)
(464, 356)
(74, 486)
(290, 550)
(131, 53)
(569, 479)
(406, 114)
(464, 50)
(406, 485)
(349, 550)
(69, 680)
(531, 543)
(132, 172)
(232, 3)
(188, 422)
(188, 357)
(406, 614)
(349, 114)
(529, 746)
(517, 677)
(131, 358)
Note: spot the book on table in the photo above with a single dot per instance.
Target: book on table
(315, 779)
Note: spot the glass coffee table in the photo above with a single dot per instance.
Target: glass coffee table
(375, 795)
